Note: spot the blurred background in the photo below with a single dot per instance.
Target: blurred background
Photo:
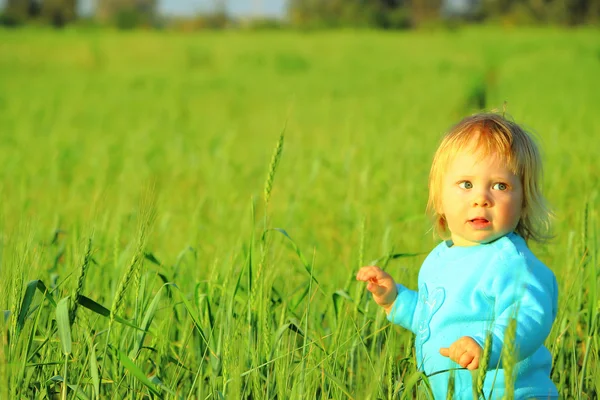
(386, 14)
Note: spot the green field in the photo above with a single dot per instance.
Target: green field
(131, 160)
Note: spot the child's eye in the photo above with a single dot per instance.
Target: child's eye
(500, 186)
(465, 185)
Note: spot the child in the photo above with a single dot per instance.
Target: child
(485, 201)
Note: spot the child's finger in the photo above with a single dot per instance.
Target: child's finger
(365, 273)
(474, 364)
(455, 351)
(465, 359)
(369, 273)
(444, 351)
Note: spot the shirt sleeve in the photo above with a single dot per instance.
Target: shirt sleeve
(404, 308)
(527, 293)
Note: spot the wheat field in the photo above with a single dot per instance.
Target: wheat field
(182, 216)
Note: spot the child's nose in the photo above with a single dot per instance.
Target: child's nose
(482, 198)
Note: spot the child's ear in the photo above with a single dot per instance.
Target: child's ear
(441, 222)
(443, 219)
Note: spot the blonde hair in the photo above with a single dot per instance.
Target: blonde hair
(493, 134)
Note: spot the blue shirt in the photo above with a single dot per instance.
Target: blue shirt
(466, 291)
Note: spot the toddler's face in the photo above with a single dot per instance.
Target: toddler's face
(481, 198)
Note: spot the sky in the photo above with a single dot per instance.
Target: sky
(236, 7)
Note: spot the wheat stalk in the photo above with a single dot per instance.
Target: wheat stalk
(79, 289)
(273, 167)
(17, 279)
(483, 363)
(450, 392)
(509, 359)
(147, 217)
(17, 291)
(124, 282)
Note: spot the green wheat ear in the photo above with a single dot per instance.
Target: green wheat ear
(509, 359)
(483, 363)
(146, 220)
(80, 281)
(273, 167)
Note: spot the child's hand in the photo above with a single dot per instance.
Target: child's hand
(465, 351)
(381, 284)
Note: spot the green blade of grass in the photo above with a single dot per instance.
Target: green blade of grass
(101, 310)
(94, 370)
(150, 257)
(78, 392)
(193, 315)
(394, 256)
(28, 298)
(339, 384)
(205, 300)
(305, 263)
(25, 303)
(411, 383)
(148, 316)
(64, 327)
(137, 373)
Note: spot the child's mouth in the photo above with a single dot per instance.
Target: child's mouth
(479, 223)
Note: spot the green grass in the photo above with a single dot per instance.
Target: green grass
(157, 147)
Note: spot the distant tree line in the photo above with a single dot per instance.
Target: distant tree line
(389, 14)
(122, 13)
(384, 14)
(410, 13)
(57, 12)
(565, 12)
